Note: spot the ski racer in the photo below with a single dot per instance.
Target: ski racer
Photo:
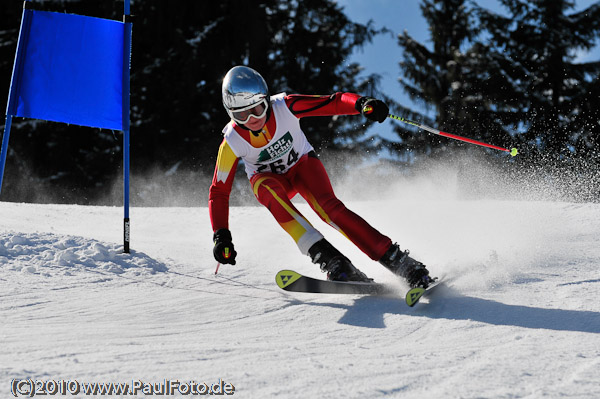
(265, 133)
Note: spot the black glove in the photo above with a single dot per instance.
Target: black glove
(223, 250)
(372, 109)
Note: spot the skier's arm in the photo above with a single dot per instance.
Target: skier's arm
(303, 105)
(218, 195)
(218, 204)
(337, 104)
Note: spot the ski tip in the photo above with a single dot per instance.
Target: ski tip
(413, 295)
(286, 277)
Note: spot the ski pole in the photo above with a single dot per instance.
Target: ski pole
(513, 151)
(217, 271)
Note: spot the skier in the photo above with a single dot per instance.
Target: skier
(265, 133)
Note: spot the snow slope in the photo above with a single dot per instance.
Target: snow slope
(519, 316)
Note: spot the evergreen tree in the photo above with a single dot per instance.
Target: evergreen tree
(539, 42)
(322, 39)
(455, 77)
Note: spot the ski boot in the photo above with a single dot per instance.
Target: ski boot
(399, 263)
(337, 266)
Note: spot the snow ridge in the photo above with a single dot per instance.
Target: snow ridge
(42, 252)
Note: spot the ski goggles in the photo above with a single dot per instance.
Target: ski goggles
(243, 115)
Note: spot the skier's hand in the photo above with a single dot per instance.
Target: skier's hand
(372, 109)
(223, 249)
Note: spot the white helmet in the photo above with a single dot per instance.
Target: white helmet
(245, 94)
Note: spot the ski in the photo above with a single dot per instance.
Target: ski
(415, 294)
(290, 280)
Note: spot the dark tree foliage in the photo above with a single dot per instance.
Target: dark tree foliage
(508, 80)
(457, 77)
(181, 51)
(558, 96)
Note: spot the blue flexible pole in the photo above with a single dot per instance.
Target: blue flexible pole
(126, 123)
(4, 151)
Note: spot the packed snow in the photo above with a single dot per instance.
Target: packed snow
(518, 315)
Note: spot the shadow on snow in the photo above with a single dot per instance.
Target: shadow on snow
(450, 305)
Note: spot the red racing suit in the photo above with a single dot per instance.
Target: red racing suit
(280, 163)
